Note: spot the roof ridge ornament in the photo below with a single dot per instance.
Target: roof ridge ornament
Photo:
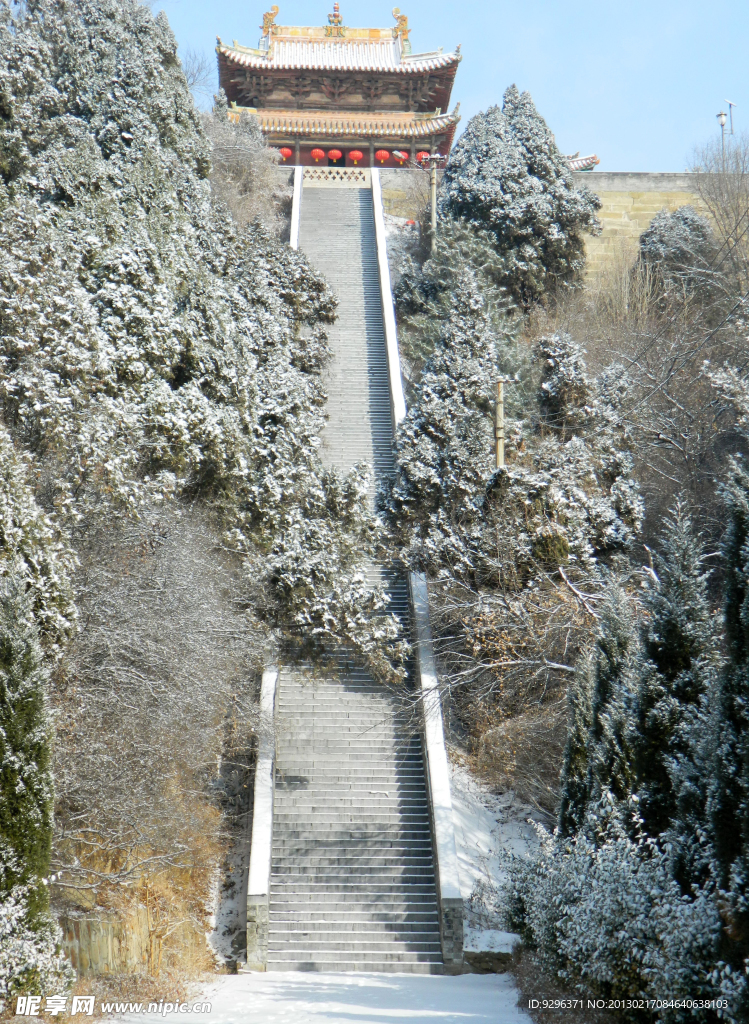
(335, 23)
(402, 30)
(268, 21)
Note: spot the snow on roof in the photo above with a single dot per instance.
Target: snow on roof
(357, 54)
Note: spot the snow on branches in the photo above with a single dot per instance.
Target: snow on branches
(148, 349)
(506, 176)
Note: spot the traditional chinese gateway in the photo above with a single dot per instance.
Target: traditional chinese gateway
(340, 96)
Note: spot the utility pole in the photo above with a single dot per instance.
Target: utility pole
(722, 122)
(433, 160)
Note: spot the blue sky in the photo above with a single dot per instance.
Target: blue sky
(638, 82)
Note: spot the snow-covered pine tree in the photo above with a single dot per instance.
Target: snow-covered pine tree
(506, 176)
(679, 247)
(565, 395)
(149, 349)
(728, 785)
(445, 442)
(26, 789)
(599, 761)
(574, 789)
(678, 654)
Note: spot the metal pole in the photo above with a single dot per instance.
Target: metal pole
(499, 430)
(433, 183)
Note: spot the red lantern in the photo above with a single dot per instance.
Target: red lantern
(422, 157)
(382, 155)
(400, 156)
(334, 154)
(286, 153)
(356, 155)
(317, 154)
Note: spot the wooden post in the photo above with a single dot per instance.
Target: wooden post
(298, 153)
(499, 426)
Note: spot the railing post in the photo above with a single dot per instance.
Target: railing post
(397, 401)
(296, 207)
(438, 785)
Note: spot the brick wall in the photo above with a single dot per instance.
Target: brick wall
(630, 201)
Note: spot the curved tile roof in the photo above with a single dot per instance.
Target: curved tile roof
(337, 55)
(583, 163)
(294, 122)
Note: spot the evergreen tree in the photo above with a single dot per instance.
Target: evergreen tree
(677, 653)
(609, 754)
(597, 757)
(445, 442)
(565, 395)
(26, 792)
(574, 789)
(506, 176)
(728, 788)
(679, 248)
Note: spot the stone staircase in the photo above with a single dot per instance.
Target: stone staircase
(352, 877)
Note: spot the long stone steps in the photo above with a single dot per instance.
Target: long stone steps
(352, 883)
(352, 874)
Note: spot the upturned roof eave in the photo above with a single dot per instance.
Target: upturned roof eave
(290, 123)
(411, 64)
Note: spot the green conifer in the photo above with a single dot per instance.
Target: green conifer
(26, 792)
(728, 787)
(574, 796)
(609, 756)
(597, 757)
(507, 177)
(678, 651)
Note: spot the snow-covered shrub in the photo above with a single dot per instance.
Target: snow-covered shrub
(35, 548)
(506, 176)
(244, 173)
(607, 917)
(30, 959)
(148, 349)
(680, 248)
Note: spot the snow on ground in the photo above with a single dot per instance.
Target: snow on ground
(486, 825)
(300, 998)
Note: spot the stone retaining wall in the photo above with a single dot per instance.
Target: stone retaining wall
(630, 201)
(113, 943)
